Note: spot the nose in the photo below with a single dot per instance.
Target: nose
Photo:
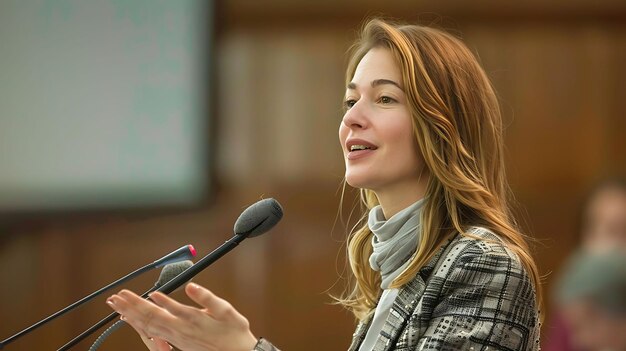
(356, 117)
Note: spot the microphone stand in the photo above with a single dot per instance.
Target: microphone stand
(270, 209)
(175, 256)
(76, 304)
(175, 283)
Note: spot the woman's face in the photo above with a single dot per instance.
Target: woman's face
(605, 221)
(376, 132)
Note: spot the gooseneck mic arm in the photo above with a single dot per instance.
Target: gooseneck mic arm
(184, 253)
(93, 328)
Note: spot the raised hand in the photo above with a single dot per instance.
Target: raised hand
(162, 322)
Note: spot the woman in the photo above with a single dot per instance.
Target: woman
(439, 263)
(590, 298)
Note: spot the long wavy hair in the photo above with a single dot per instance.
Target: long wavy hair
(458, 128)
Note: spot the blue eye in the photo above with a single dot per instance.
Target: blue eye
(349, 103)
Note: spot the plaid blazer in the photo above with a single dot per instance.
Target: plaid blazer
(472, 295)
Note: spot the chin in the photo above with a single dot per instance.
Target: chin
(352, 183)
(357, 181)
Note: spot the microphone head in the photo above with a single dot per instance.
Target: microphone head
(186, 252)
(259, 218)
(172, 270)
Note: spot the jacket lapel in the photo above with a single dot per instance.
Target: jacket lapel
(359, 334)
(408, 297)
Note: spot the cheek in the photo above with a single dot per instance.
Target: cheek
(404, 145)
(343, 135)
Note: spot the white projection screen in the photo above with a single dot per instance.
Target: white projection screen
(103, 103)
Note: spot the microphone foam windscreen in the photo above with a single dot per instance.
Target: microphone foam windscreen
(259, 218)
(172, 270)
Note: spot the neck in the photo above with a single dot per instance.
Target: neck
(394, 199)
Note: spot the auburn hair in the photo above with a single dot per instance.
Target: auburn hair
(458, 128)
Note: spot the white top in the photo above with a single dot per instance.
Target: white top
(380, 316)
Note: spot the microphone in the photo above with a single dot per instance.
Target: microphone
(253, 221)
(167, 273)
(183, 253)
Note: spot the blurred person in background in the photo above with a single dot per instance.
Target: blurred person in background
(604, 217)
(591, 295)
(438, 260)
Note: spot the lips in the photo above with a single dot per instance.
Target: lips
(359, 148)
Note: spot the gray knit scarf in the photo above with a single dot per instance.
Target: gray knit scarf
(395, 240)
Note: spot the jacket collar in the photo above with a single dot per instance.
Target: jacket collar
(408, 297)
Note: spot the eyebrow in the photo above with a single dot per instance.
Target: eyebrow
(375, 83)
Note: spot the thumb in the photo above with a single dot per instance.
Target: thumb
(217, 307)
(155, 344)
(162, 345)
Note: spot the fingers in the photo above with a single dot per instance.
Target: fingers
(230, 328)
(141, 314)
(164, 321)
(218, 308)
(161, 345)
(172, 306)
(155, 344)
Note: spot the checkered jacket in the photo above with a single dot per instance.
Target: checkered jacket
(472, 295)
